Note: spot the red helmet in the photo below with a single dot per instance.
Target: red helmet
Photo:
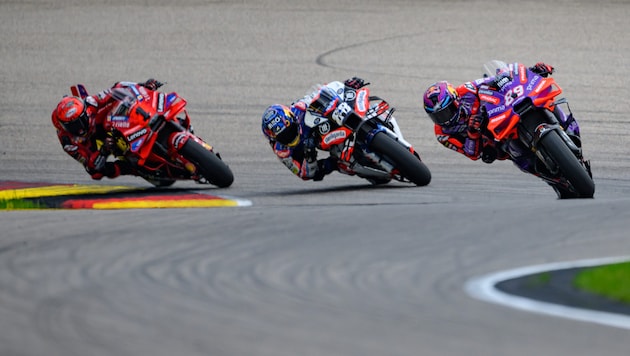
(72, 116)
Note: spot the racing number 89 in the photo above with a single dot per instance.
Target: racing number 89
(512, 94)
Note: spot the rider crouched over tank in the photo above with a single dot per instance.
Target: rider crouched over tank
(81, 132)
(295, 133)
(461, 121)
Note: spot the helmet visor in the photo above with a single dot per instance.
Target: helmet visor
(77, 127)
(445, 116)
(289, 136)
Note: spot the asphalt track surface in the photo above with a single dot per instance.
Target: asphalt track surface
(310, 268)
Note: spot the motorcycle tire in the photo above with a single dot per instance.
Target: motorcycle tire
(211, 167)
(568, 164)
(410, 166)
(160, 183)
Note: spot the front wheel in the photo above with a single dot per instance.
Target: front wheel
(409, 165)
(211, 167)
(569, 165)
(160, 183)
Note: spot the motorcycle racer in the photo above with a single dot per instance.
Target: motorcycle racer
(459, 120)
(292, 140)
(80, 130)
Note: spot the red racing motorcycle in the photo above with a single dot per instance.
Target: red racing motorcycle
(151, 131)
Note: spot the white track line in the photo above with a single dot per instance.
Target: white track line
(483, 288)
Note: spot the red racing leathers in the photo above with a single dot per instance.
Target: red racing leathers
(91, 150)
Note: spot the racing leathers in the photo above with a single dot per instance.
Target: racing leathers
(461, 137)
(92, 150)
(302, 158)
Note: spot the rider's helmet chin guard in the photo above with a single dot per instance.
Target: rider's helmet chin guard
(441, 103)
(280, 124)
(72, 116)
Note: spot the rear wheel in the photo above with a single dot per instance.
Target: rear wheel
(569, 165)
(211, 167)
(409, 165)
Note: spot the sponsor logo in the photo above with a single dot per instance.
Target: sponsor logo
(486, 91)
(160, 103)
(335, 135)
(522, 73)
(539, 87)
(489, 99)
(136, 134)
(121, 124)
(177, 140)
(496, 110)
(361, 100)
(501, 117)
(273, 125)
(502, 82)
(532, 82)
(70, 148)
(350, 95)
(324, 128)
(136, 92)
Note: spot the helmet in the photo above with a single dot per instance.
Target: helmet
(279, 124)
(72, 116)
(441, 102)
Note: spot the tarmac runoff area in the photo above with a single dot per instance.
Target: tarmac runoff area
(73, 196)
(516, 289)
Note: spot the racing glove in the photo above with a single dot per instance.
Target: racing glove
(310, 151)
(112, 170)
(542, 69)
(355, 83)
(476, 123)
(152, 84)
(488, 154)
